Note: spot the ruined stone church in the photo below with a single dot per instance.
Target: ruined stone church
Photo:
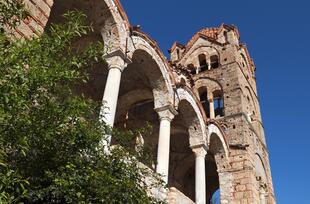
(203, 105)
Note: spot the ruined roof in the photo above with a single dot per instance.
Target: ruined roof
(175, 45)
(210, 33)
(206, 32)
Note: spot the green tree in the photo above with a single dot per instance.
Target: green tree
(50, 136)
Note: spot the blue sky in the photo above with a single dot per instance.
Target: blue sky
(277, 34)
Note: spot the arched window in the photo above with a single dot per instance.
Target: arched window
(203, 94)
(214, 61)
(183, 82)
(191, 68)
(244, 62)
(178, 54)
(218, 103)
(226, 36)
(203, 62)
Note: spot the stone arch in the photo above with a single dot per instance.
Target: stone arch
(109, 25)
(218, 149)
(121, 25)
(145, 88)
(187, 131)
(143, 91)
(216, 140)
(210, 84)
(154, 76)
(260, 168)
(159, 78)
(194, 117)
(107, 18)
(244, 59)
(201, 49)
(252, 101)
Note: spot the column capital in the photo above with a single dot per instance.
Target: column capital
(117, 60)
(166, 112)
(210, 96)
(200, 150)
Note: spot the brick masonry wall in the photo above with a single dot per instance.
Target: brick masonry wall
(39, 11)
(243, 124)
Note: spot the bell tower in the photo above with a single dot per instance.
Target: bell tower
(223, 76)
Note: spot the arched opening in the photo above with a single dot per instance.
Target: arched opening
(218, 152)
(214, 61)
(191, 68)
(251, 105)
(212, 176)
(218, 103)
(182, 158)
(203, 62)
(178, 54)
(244, 61)
(226, 36)
(141, 85)
(183, 82)
(203, 96)
(99, 16)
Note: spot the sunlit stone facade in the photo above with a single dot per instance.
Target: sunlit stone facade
(202, 104)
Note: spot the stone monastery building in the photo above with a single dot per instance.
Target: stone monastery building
(203, 104)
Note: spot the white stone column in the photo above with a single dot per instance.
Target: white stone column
(117, 62)
(211, 107)
(209, 64)
(197, 70)
(166, 114)
(200, 174)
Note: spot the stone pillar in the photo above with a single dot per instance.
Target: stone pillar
(166, 114)
(197, 70)
(209, 64)
(211, 105)
(200, 174)
(117, 61)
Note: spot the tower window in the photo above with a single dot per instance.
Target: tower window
(191, 68)
(244, 61)
(178, 54)
(203, 62)
(214, 62)
(205, 103)
(218, 103)
(226, 36)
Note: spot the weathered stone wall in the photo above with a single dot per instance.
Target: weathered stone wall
(242, 159)
(242, 119)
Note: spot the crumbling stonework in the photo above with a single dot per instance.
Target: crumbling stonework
(202, 104)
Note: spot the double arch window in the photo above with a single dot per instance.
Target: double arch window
(217, 109)
(207, 63)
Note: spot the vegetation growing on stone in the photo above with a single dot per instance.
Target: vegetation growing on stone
(50, 137)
